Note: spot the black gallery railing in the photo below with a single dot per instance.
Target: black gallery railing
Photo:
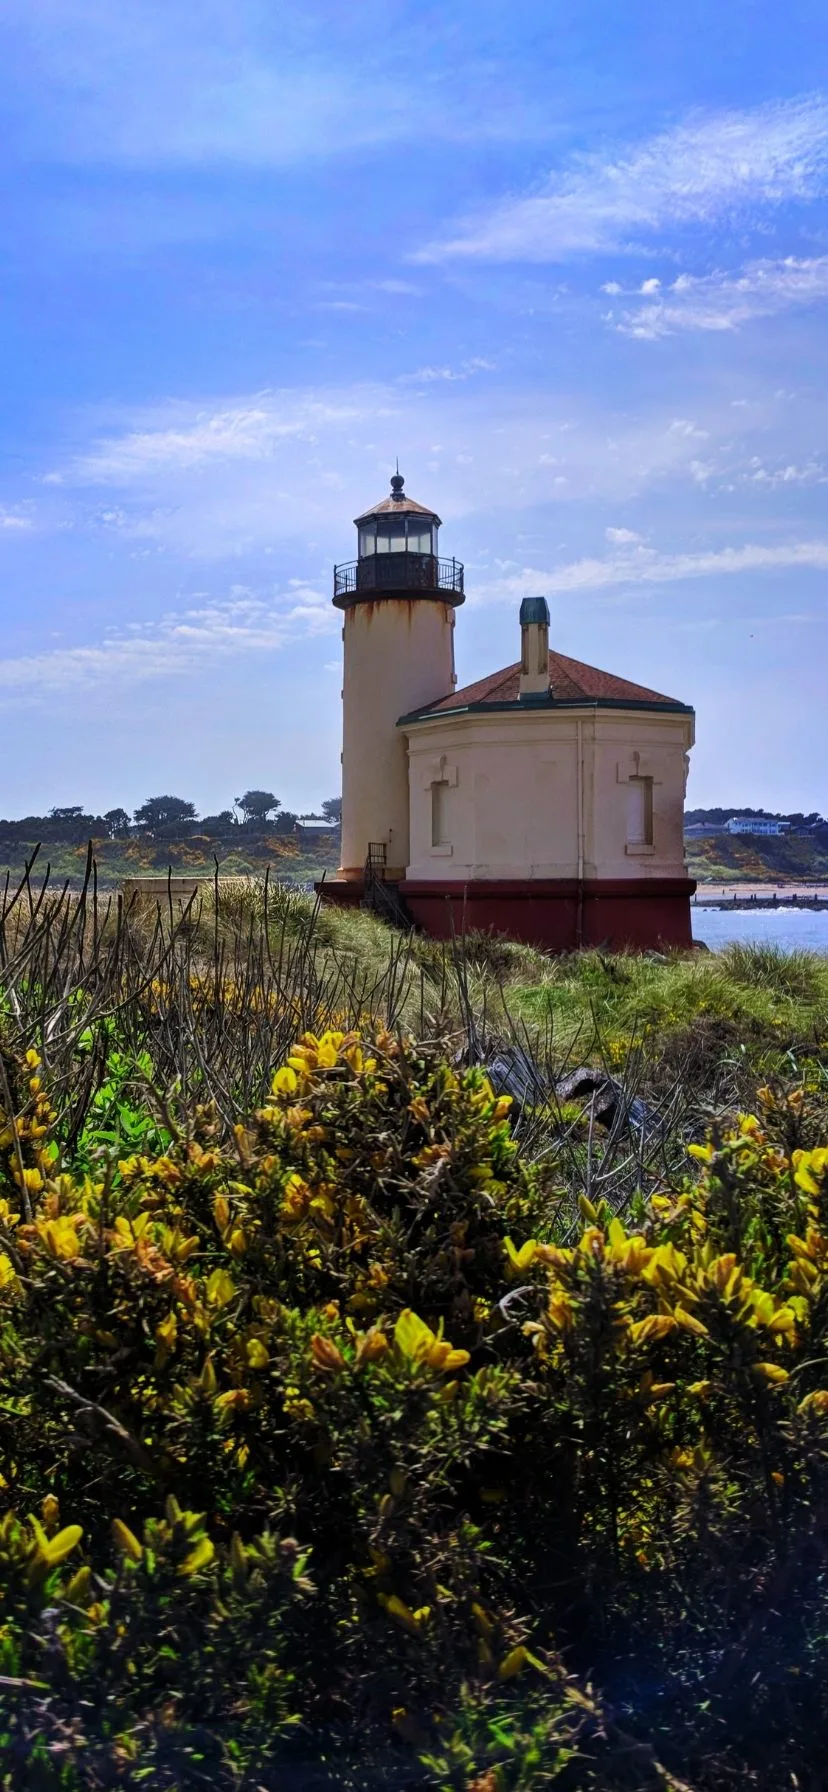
(398, 572)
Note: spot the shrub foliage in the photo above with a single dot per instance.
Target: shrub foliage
(334, 1454)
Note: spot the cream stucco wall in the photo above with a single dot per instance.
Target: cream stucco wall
(398, 655)
(544, 793)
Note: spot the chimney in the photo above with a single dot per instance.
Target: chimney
(534, 649)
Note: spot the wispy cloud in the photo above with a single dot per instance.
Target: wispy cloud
(813, 472)
(250, 431)
(196, 640)
(425, 376)
(717, 302)
(217, 479)
(135, 84)
(643, 565)
(179, 644)
(709, 168)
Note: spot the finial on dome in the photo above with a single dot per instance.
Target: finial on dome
(397, 482)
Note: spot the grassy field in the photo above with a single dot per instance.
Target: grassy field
(363, 1426)
(752, 1005)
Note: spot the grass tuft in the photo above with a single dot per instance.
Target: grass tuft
(760, 964)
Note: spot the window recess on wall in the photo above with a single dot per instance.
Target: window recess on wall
(639, 815)
(439, 819)
(439, 835)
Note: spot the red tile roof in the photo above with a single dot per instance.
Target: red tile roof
(570, 681)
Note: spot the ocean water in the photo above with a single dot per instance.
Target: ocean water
(784, 927)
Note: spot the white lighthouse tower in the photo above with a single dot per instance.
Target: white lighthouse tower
(398, 601)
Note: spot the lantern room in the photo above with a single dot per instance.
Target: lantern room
(397, 544)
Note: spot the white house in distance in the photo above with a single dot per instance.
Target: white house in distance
(545, 801)
(756, 824)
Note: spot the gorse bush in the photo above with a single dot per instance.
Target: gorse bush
(213, 1354)
(326, 1463)
(360, 1428)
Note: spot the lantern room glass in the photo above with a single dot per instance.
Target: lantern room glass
(398, 535)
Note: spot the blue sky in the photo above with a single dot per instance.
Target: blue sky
(569, 261)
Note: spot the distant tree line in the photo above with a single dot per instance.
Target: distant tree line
(261, 811)
(165, 818)
(718, 817)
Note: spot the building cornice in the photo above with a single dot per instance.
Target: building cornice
(546, 706)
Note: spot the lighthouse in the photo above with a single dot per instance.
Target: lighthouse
(398, 600)
(544, 801)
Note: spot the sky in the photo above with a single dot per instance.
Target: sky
(567, 260)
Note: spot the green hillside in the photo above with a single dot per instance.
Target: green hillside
(716, 858)
(195, 857)
(731, 858)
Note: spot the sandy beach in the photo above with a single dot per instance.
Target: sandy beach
(746, 892)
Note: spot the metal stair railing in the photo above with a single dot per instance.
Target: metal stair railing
(382, 897)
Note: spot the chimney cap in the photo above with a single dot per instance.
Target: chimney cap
(534, 609)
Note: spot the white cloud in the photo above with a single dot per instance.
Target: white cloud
(223, 479)
(398, 288)
(646, 566)
(284, 472)
(709, 168)
(621, 537)
(135, 82)
(250, 431)
(15, 519)
(812, 473)
(339, 305)
(684, 426)
(180, 644)
(720, 302)
(425, 376)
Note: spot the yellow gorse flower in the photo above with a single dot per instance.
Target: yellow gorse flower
(31, 1180)
(8, 1273)
(333, 1050)
(412, 1621)
(416, 1341)
(60, 1237)
(811, 1170)
(816, 1403)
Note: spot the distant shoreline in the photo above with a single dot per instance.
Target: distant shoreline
(761, 895)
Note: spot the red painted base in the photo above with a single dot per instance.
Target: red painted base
(558, 914)
(341, 892)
